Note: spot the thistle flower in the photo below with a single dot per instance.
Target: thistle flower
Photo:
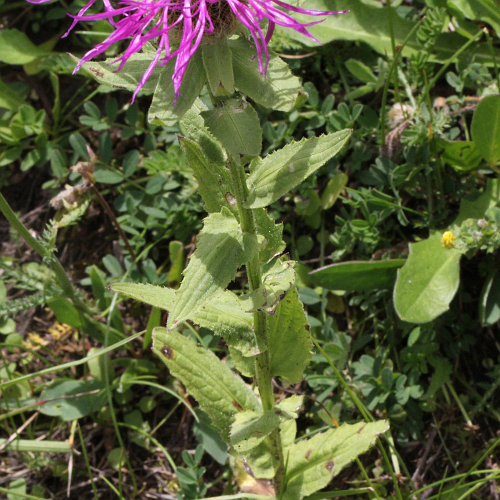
(178, 27)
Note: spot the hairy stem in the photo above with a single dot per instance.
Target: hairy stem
(262, 360)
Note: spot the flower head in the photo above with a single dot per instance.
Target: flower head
(177, 28)
(448, 240)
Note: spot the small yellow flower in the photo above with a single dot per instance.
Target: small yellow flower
(448, 239)
(34, 341)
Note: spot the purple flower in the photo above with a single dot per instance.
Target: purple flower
(177, 28)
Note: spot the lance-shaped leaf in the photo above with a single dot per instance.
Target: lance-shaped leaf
(162, 110)
(219, 392)
(222, 313)
(312, 463)
(213, 179)
(193, 126)
(218, 66)
(250, 428)
(237, 126)
(221, 249)
(128, 79)
(278, 90)
(428, 281)
(289, 338)
(281, 171)
(273, 243)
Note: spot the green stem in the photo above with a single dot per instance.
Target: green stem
(263, 360)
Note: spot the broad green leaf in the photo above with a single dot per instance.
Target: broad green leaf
(214, 180)
(126, 79)
(221, 250)
(219, 392)
(273, 243)
(478, 10)
(361, 71)
(290, 406)
(477, 207)
(218, 66)
(278, 89)
(250, 428)
(281, 171)
(312, 463)
(368, 22)
(277, 278)
(461, 155)
(9, 99)
(167, 109)
(289, 339)
(71, 398)
(485, 129)
(358, 275)
(17, 48)
(222, 313)
(236, 125)
(489, 306)
(333, 189)
(428, 281)
(193, 126)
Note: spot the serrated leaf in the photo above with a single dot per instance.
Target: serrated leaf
(218, 66)
(428, 281)
(214, 180)
(277, 278)
(273, 235)
(313, 462)
(485, 129)
(281, 171)
(193, 126)
(278, 89)
(250, 428)
(219, 392)
(237, 126)
(126, 79)
(221, 250)
(167, 108)
(289, 339)
(222, 313)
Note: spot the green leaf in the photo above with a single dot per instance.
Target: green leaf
(214, 180)
(236, 125)
(485, 129)
(222, 313)
(17, 48)
(480, 10)
(128, 77)
(176, 255)
(489, 306)
(289, 339)
(461, 155)
(361, 71)
(163, 111)
(250, 428)
(333, 189)
(358, 275)
(278, 90)
(368, 22)
(476, 208)
(219, 392)
(193, 126)
(313, 462)
(9, 99)
(281, 171)
(218, 66)
(80, 405)
(428, 281)
(221, 250)
(273, 243)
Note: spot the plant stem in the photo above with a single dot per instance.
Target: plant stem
(262, 360)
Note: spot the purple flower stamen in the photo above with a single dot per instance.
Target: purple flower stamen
(141, 21)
